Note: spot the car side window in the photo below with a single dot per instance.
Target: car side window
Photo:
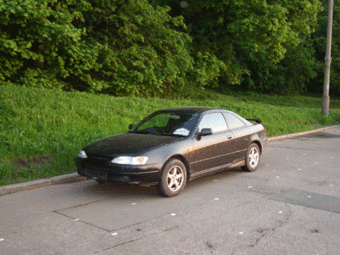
(234, 122)
(215, 121)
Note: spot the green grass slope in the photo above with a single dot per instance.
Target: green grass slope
(41, 131)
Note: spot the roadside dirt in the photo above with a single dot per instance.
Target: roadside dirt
(33, 161)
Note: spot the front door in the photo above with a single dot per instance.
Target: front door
(215, 151)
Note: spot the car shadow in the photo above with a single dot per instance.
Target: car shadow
(126, 190)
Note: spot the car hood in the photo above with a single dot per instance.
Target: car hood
(127, 144)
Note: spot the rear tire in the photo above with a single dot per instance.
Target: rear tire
(252, 159)
(173, 178)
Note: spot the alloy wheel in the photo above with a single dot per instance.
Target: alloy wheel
(254, 157)
(175, 178)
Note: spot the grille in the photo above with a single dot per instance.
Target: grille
(99, 158)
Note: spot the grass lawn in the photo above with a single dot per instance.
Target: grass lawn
(42, 131)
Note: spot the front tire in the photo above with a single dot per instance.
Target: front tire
(252, 158)
(173, 178)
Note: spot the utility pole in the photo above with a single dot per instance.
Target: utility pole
(328, 60)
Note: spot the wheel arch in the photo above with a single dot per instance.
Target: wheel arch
(183, 160)
(258, 143)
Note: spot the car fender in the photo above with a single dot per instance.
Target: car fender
(255, 138)
(179, 153)
(162, 154)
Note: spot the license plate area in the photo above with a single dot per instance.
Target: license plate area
(95, 174)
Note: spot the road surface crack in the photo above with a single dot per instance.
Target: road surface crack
(137, 239)
(279, 224)
(267, 231)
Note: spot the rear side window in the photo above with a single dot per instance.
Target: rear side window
(234, 122)
(215, 121)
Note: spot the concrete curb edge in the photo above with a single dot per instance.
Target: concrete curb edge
(60, 179)
(281, 137)
(75, 177)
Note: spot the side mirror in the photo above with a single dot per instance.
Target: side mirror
(131, 126)
(205, 131)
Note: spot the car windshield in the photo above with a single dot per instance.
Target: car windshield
(166, 123)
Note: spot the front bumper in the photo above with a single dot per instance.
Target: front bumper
(136, 175)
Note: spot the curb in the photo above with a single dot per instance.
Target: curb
(61, 179)
(281, 137)
(75, 177)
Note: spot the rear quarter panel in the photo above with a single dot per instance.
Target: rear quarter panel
(245, 136)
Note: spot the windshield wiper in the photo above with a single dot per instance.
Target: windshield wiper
(141, 132)
(153, 133)
(170, 134)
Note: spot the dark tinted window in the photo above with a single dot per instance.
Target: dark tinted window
(234, 122)
(167, 123)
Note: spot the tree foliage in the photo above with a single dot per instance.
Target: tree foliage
(141, 47)
(319, 44)
(117, 46)
(290, 76)
(240, 35)
(38, 41)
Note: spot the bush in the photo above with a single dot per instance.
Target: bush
(116, 46)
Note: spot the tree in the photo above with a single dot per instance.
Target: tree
(241, 33)
(319, 40)
(36, 40)
(116, 46)
(290, 76)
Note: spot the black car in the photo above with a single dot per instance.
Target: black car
(172, 146)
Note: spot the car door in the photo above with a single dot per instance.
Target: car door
(214, 151)
(241, 134)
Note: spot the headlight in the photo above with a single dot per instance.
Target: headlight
(82, 154)
(125, 160)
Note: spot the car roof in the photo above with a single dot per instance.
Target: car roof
(190, 109)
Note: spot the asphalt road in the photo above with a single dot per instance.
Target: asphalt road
(290, 205)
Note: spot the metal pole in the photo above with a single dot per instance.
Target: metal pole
(328, 60)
